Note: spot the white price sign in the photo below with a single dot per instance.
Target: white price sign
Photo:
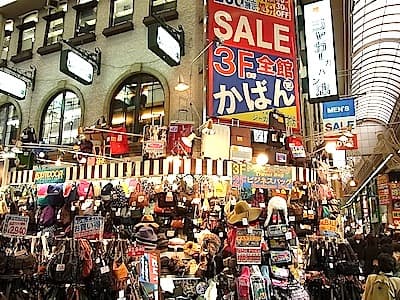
(15, 225)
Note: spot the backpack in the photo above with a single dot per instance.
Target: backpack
(383, 288)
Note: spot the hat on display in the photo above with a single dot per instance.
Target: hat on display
(209, 242)
(164, 262)
(162, 244)
(176, 244)
(146, 237)
(191, 248)
(106, 191)
(242, 210)
(147, 220)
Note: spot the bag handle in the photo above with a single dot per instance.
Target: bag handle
(88, 190)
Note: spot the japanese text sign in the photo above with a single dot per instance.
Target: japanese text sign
(320, 51)
(266, 177)
(88, 227)
(255, 70)
(15, 225)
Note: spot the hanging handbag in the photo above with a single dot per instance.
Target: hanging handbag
(85, 190)
(139, 198)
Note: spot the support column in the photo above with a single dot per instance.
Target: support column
(2, 32)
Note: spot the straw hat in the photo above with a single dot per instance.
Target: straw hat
(241, 211)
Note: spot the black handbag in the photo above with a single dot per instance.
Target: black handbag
(63, 267)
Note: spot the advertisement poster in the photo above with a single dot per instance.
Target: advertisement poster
(88, 227)
(248, 255)
(328, 227)
(395, 194)
(265, 177)
(383, 189)
(56, 175)
(254, 70)
(15, 225)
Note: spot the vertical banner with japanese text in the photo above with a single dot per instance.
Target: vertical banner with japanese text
(254, 70)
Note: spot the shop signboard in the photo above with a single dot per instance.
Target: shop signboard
(77, 67)
(395, 194)
(383, 189)
(88, 227)
(254, 70)
(15, 225)
(338, 116)
(165, 44)
(149, 268)
(396, 217)
(53, 175)
(265, 177)
(248, 246)
(12, 86)
(322, 80)
(343, 142)
(328, 227)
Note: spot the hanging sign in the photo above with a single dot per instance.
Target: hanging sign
(395, 194)
(88, 227)
(165, 44)
(383, 189)
(12, 86)
(56, 175)
(254, 71)
(266, 177)
(396, 217)
(15, 225)
(76, 67)
(321, 65)
(328, 227)
(149, 268)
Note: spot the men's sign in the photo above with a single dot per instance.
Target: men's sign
(15, 225)
(76, 67)
(339, 115)
(56, 175)
(255, 70)
(12, 86)
(88, 227)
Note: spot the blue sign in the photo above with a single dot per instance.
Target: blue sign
(338, 109)
(247, 81)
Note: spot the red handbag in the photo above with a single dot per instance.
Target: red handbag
(85, 189)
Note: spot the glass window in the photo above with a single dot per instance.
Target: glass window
(9, 124)
(121, 11)
(8, 29)
(27, 32)
(61, 119)
(86, 20)
(55, 29)
(159, 6)
(139, 101)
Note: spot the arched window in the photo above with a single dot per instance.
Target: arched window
(138, 101)
(61, 119)
(9, 124)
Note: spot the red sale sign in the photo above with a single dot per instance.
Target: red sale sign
(255, 69)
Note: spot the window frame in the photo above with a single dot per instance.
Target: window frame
(7, 106)
(112, 11)
(23, 27)
(7, 34)
(62, 116)
(168, 6)
(79, 8)
(139, 80)
(49, 19)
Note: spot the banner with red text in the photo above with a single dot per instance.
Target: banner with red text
(254, 70)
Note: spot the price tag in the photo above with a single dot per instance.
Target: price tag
(221, 234)
(121, 294)
(98, 260)
(331, 265)
(292, 218)
(262, 204)
(60, 267)
(233, 201)
(288, 235)
(118, 212)
(15, 225)
(324, 202)
(196, 235)
(104, 270)
(170, 233)
(249, 230)
(310, 212)
(72, 207)
(245, 221)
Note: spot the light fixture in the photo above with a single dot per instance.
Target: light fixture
(41, 154)
(352, 183)
(262, 159)
(330, 147)
(181, 86)
(188, 140)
